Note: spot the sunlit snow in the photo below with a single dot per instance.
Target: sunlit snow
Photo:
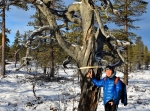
(62, 93)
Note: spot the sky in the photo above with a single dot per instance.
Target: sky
(62, 93)
(17, 19)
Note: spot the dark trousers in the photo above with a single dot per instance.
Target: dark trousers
(108, 107)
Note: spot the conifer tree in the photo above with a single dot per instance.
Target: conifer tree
(7, 47)
(146, 57)
(22, 51)
(15, 48)
(138, 53)
(3, 39)
(130, 12)
(5, 5)
(50, 46)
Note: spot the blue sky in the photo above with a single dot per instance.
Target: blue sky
(17, 19)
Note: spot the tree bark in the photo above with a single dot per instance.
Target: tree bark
(51, 60)
(126, 31)
(16, 56)
(126, 74)
(44, 70)
(89, 94)
(3, 40)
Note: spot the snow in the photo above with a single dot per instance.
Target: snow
(63, 92)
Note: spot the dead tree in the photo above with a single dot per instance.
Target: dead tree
(16, 56)
(92, 52)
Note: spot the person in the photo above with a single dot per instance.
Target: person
(111, 91)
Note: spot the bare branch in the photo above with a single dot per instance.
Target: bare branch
(115, 46)
(124, 44)
(75, 7)
(38, 31)
(33, 89)
(67, 61)
(100, 22)
(25, 62)
(106, 4)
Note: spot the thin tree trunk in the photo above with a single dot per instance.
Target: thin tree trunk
(126, 31)
(44, 69)
(51, 60)
(3, 40)
(126, 74)
(16, 56)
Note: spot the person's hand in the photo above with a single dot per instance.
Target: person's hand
(111, 103)
(89, 74)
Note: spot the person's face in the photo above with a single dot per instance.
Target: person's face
(108, 72)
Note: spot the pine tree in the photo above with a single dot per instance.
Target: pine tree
(130, 57)
(6, 6)
(146, 57)
(16, 47)
(131, 10)
(50, 54)
(7, 47)
(3, 40)
(22, 52)
(138, 53)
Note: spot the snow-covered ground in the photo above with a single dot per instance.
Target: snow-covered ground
(63, 92)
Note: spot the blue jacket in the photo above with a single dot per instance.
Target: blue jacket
(110, 90)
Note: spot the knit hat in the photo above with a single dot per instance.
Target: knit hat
(110, 68)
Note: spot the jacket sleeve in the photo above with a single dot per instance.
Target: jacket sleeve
(118, 92)
(98, 83)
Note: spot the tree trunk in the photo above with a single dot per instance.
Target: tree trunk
(51, 60)
(3, 40)
(89, 94)
(126, 31)
(126, 74)
(15, 59)
(16, 56)
(44, 70)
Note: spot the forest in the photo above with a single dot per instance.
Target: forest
(76, 35)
